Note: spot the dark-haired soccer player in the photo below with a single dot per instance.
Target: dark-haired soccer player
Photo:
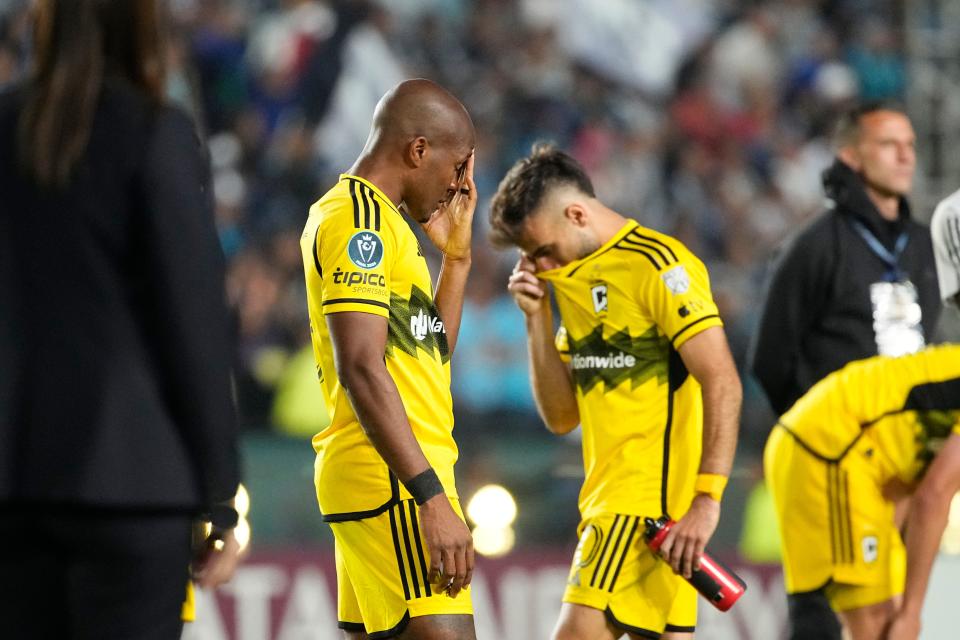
(642, 363)
(382, 340)
(875, 431)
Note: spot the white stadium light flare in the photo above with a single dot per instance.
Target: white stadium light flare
(492, 506)
(493, 541)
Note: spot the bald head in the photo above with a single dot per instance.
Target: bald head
(421, 108)
(420, 142)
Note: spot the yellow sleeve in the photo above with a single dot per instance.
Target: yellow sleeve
(355, 265)
(678, 297)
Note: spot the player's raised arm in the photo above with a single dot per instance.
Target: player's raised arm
(450, 229)
(549, 375)
(708, 359)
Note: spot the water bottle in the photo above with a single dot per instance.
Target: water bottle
(715, 581)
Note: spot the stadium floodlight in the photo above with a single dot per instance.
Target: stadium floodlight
(492, 506)
(242, 502)
(493, 541)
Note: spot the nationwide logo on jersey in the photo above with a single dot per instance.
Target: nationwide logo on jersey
(415, 326)
(423, 324)
(619, 358)
(365, 249)
(598, 293)
(677, 280)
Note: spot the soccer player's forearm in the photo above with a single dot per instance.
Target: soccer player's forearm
(451, 286)
(722, 397)
(549, 377)
(381, 413)
(925, 525)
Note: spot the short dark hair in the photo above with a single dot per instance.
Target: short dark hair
(847, 129)
(523, 188)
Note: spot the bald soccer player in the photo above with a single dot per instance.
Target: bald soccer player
(382, 338)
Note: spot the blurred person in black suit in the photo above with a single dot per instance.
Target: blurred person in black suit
(117, 428)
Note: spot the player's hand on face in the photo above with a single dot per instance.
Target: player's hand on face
(528, 291)
(904, 626)
(450, 228)
(450, 545)
(216, 561)
(687, 539)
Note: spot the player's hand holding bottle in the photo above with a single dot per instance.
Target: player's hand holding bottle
(688, 538)
(450, 545)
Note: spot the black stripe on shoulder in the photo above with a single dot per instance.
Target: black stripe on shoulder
(375, 303)
(934, 396)
(366, 197)
(636, 234)
(645, 254)
(623, 626)
(637, 244)
(376, 209)
(691, 325)
(316, 253)
(356, 204)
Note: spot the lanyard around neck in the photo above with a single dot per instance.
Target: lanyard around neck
(890, 258)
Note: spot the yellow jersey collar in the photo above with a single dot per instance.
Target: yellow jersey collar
(373, 187)
(570, 267)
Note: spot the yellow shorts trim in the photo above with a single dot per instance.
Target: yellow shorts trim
(835, 525)
(382, 565)
(614, 571)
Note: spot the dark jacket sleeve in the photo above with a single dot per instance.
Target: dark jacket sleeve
(798, 290)
(188, 300)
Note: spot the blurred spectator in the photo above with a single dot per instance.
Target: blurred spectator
(704, 120)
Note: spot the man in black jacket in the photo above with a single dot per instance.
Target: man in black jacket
(858, 281)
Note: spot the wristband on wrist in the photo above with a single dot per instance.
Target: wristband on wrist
(711, 484)
(424, 485)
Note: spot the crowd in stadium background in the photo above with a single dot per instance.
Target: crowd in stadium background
(716, 132)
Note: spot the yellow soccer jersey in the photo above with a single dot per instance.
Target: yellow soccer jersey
(905, 406)
(359, 254)
(625, 310)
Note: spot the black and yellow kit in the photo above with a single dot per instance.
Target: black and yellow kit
(827, 462)
(625, 311)
(360, 255)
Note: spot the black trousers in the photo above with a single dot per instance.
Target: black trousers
(78, 575)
